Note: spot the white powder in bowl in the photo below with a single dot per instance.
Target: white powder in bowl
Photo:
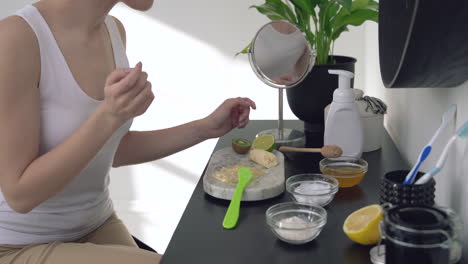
(315, 193)
(302, 235)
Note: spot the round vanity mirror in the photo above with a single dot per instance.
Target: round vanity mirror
(281, 57)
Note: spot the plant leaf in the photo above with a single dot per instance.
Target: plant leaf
(341, 14)
(330, 12)
(314, 17)
(337, 32)
(303, 9)
(301, 19)
(304, 5)
(318, 2)
(311, 38)
(359, 4)
(267, 11)
(246, 49)
(276, 10)
(374, 5)
(356, 18)
(345, 3)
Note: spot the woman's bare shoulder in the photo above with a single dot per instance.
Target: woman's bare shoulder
(18, 38)
(15, 30)
(19, 49)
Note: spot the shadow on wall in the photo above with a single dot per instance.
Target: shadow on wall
(140, 194)
(220, 23)
(457, 200)
(148, 183)
(122, 189)
(174, 169)
(458, 196)
(465, 216)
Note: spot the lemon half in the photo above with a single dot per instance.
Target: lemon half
(362, 226)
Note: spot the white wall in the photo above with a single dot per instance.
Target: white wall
(413, 116)
(188, 48)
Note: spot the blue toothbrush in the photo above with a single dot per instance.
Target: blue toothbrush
(462, 132)
(446, 119)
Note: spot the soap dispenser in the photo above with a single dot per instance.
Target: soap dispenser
(343, 126)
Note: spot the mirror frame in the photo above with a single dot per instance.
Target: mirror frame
(265, 78)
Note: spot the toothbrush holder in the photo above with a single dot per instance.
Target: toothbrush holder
(394, 192)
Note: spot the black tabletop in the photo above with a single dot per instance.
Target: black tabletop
(200, 237)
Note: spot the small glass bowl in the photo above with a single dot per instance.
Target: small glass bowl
(349, 171)
(310, 188)
(296, 223)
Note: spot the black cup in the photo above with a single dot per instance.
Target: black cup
(393, 191)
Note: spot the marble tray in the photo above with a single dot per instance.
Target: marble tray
(269, 185)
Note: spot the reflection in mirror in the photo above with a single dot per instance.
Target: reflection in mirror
(280, 55)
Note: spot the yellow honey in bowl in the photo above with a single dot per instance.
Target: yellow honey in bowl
(347, 175)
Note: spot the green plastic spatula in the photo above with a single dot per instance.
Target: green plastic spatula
(232, 214)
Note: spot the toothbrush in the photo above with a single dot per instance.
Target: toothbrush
(462, 132)
(446, 118)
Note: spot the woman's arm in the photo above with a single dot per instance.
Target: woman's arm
(27, 179)
(139, 147)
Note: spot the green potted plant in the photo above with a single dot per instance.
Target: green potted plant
(322, 22)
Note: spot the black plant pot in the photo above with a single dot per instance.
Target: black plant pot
(308, 99)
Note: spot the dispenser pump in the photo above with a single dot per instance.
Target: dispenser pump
(344, 93)
(343, 126)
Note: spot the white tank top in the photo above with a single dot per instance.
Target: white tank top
(84, 204)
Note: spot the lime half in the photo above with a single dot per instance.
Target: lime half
(264, 142)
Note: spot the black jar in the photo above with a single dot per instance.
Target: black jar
(417, 234)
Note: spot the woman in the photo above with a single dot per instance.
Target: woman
(67, 100)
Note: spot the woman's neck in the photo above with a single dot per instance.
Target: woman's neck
(85, 16)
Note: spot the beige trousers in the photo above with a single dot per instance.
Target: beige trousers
(110, 243)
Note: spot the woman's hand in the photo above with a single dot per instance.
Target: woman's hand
(233, 113)
(284, 79)
(127, 94)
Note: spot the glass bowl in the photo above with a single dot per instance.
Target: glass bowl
(314, 189)
(296, 223)
(349, 171)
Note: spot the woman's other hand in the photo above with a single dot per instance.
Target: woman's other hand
(128, 94)
(232, 113)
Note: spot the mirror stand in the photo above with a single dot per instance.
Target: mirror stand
(284, 136)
